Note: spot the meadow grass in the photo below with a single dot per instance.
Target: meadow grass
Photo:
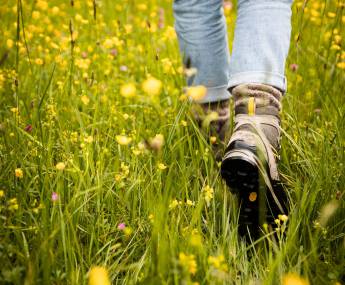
(128, 182)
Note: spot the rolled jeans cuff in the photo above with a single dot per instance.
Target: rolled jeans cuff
(216, 94)
(274, 79)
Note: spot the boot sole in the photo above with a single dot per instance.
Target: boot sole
(241, 173)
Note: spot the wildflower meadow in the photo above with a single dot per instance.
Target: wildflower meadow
(105, 178)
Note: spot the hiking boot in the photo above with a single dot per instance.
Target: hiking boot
(213, 120)
(249, 165)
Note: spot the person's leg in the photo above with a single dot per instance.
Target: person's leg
(201, 31)
(257, 83)
(202, 35)
(261, 43)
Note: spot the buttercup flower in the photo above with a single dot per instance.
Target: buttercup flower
(98, 275)
(161, 166)
(294, 279)
(123, 140)
(152, 86)
(188, 262)
(196, 92)
(60, 166)
(128, 90)
(19, 173)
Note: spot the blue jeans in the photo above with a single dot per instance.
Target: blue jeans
(260, 47)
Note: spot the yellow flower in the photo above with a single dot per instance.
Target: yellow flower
(108, 43)
(341, 65)
(43, 5)
(14, 110)
(2, 193)
(195, 239)
(152, 86)
(19, 173)
(283, 218)
(151, 218)
(294, 279)
(60, 166)
(218, 262)
(123, 140)
(128, 90)
(38, 61)
(13, 204)
(208, 194)
(9, 43)
(170, 33)
(188, 262)
(161, 166)
(173, 204)
(190, 203)
(98, 275)
(36, 15)
(196, 92)
(88, 139)
(127, 231)
(85, 99)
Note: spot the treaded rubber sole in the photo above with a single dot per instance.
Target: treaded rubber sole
(257, 205)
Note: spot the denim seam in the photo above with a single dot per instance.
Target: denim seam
(275, 79)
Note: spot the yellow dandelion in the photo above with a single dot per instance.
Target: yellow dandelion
(123, 140)
(196, 93)
(128, 90)
(98, 275)
(294, 279)
(55, 10)
(19, 173)
(60, 166)
(2, 193)
(152, 86)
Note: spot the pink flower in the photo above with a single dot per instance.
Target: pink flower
(294, 67)
(28, 128)
(123, 68)
(121, 226)
(55, 196)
